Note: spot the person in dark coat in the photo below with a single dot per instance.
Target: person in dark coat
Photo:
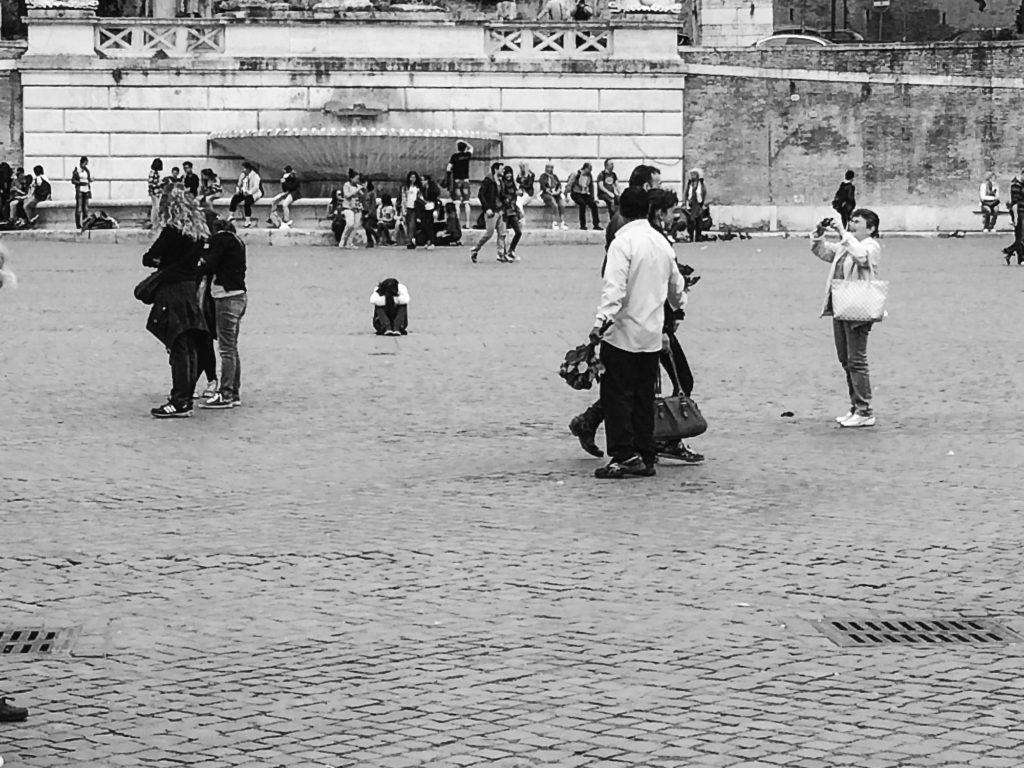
(176, 318)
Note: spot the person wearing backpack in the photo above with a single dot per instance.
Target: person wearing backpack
(845, 199)
(81, 179)
(38, 192)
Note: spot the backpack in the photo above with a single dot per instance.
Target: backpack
(43, 191)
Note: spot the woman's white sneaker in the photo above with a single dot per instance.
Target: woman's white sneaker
(857, 420)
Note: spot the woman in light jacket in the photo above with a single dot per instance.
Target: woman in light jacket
(854, 257)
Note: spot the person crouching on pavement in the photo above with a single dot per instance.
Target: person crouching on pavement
(176, 318)
(225, 264)
(854, 257)
(390, 302)
(641, 274)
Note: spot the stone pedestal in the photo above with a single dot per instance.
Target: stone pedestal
(61, 27)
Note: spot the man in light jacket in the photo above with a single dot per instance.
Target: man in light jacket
(641, 273)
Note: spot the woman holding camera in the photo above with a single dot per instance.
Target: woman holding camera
(854, 257)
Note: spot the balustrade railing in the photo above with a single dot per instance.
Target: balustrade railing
(527, 41)
(128, 39)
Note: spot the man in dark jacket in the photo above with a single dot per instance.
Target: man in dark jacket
(1016, 206)
(491, 205)
(224, 261)
(845, 201)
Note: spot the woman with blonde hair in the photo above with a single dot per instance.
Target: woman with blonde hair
(176, 318)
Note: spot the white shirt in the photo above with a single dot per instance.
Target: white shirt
(640, 274)
(379, 301)
(986, 195)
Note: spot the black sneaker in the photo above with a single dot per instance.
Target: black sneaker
(632, 467)
(680, 452)
(578, 427)
(472, 257)
(11, 714)
(217, 402)
(171, 411)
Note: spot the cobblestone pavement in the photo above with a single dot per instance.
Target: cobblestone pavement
(394, 554)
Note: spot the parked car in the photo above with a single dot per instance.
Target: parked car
(840, 36)
(983, 34)
(777, 41)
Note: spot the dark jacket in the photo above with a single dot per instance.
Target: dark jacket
(290, 184)
(225, 261)
(846, 198)
(1016, 192)
(191, 182)
(488, 194)
(176, 305)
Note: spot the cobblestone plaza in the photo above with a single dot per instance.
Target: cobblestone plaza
(394, 554)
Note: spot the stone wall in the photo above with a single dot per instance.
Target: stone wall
(920, 127)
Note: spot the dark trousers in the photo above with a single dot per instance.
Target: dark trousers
(512, 222)
(370, 228)
(989, 215)
(584, 202)
(852, 350)
(593, 416)
(81, 207)
(693, 223)
(246, 201)
(207, 357)
(1018, 232)
(396, 320)
(337, 228)
(185, 366)
(627, 396)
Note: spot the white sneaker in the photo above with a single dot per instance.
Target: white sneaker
(856, 420)
(212, 388)
(564, 225)
(554, 225)
(845, 416)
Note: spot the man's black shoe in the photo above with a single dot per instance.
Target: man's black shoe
(632, 467)
(11, 714)
(586, 436)
(680, 452)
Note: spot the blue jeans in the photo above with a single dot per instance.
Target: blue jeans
(852, 350)
(230, 310)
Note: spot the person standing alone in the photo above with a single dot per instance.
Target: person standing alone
(81, 178)
(641, 274)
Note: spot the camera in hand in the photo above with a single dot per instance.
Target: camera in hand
(826, 222)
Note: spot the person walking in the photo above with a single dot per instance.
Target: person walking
(81, 180)
(494, 221)
(695, 201)
(989, 197)
(509, 195)
(155, 185)
(176, 318)
(641, 275)
(551, 196)
(845, 199)
(608, 187)
(408, 200)
(582, 191)
(854, 257)
(248, 190)
(224, 263)
(1016, 206)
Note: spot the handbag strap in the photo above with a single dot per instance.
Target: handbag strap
(672, 362)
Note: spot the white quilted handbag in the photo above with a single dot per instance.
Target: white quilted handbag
(859, 301)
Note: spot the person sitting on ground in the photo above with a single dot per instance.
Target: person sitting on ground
(336, 214)
(387, 218)
(99, 221)
(288, 195)
(452, 234)
(39, 191)
(390, 301)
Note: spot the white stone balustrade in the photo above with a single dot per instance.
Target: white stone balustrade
(126, 38)
(518, 40)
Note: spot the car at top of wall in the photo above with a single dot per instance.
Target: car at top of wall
(785, 39)
(839, 36)
(983, 35)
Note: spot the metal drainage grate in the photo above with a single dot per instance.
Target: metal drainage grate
(18, 641)
(922, 632)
